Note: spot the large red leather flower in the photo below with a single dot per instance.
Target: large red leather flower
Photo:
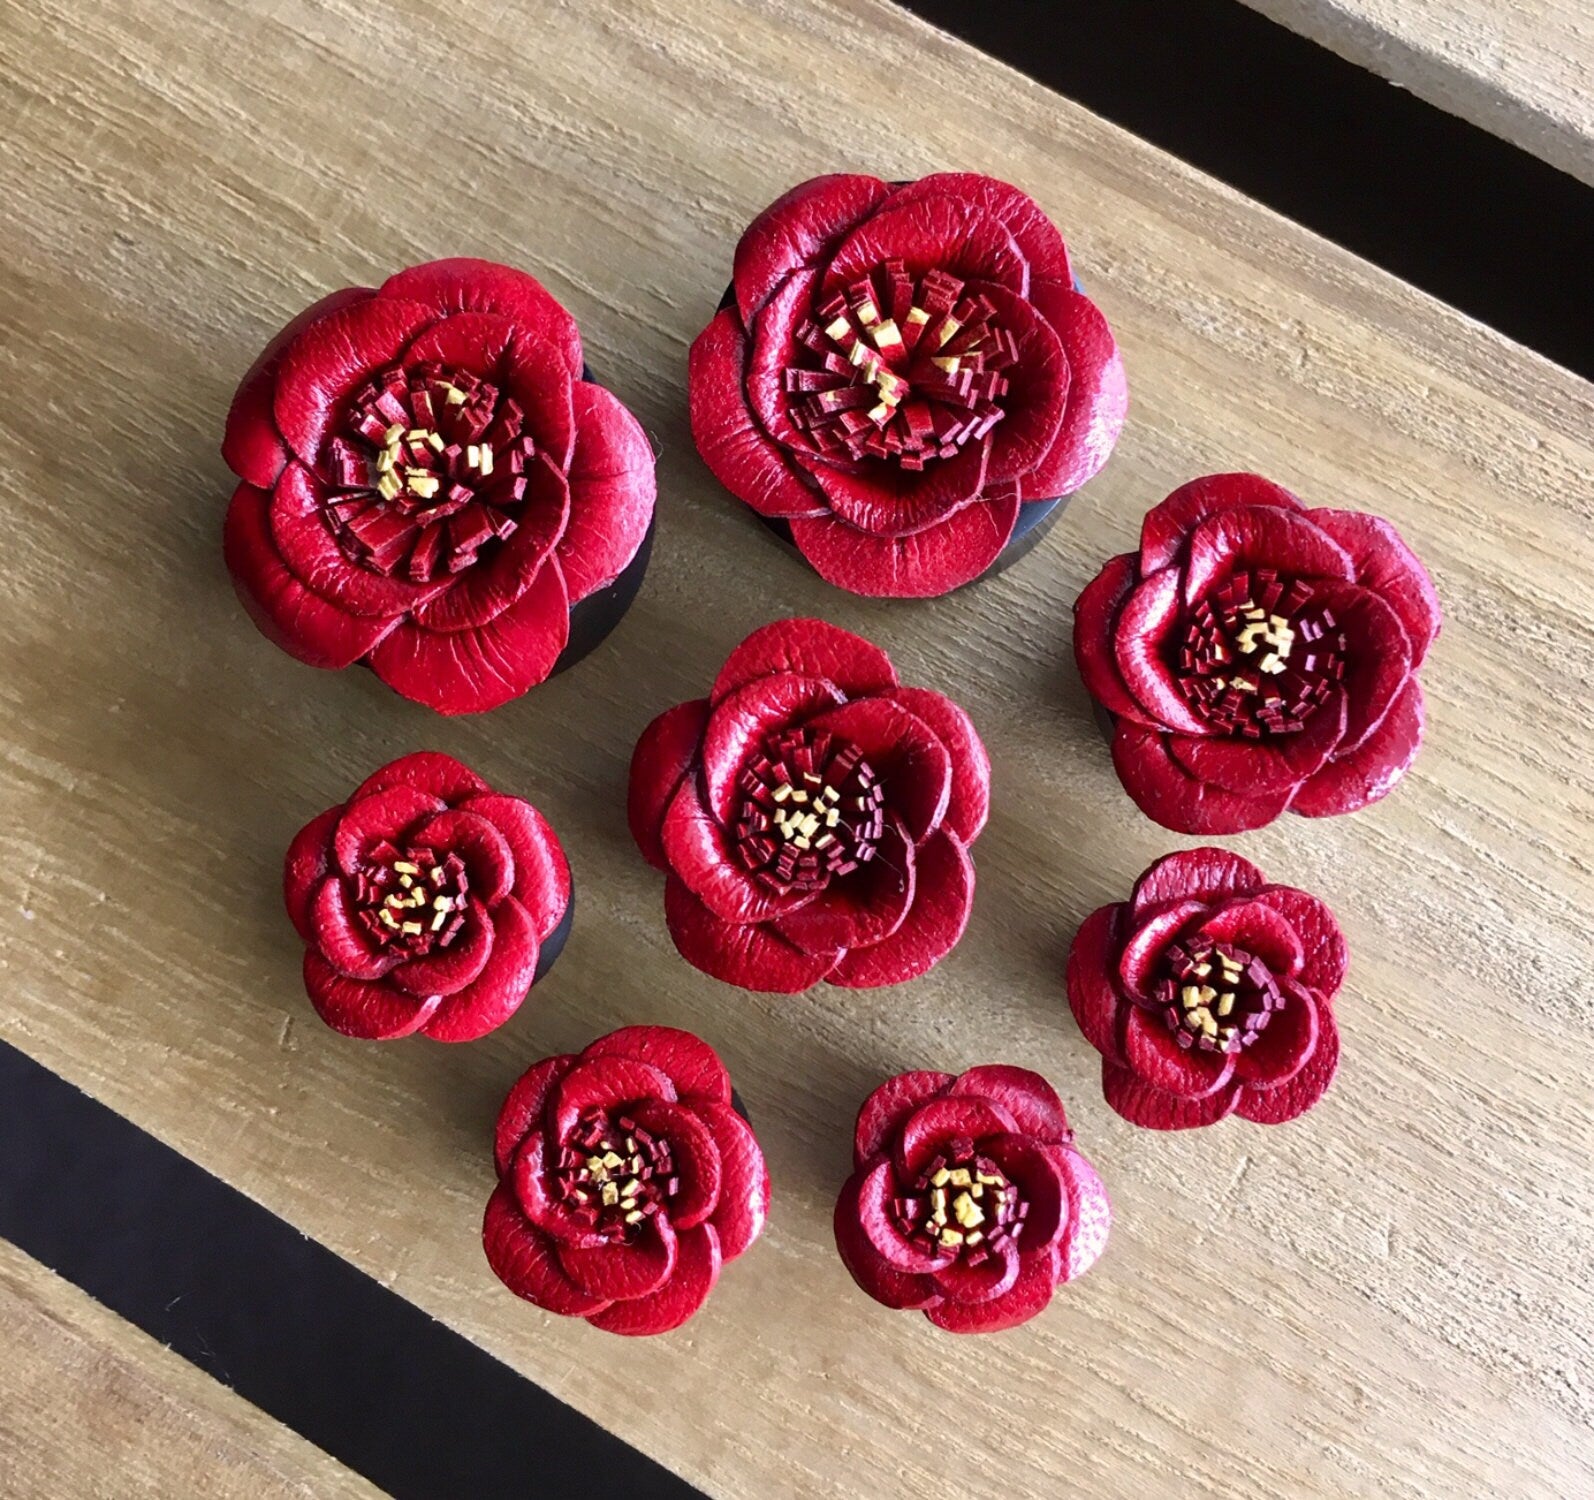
(429, 484)
(969, 1200)
(427, 902)
(813, 815)
(626, 1179)
(901, 369)
(1257, 656)
(1209, 991)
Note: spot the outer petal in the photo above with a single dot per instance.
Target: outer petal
(740, 454)
(1089, 1215)
(522, 1109)
(1092, 988)
(1322, 941)
(743, 1207)
(697, 1269)
(970, 799)
(1208, 875)
(691, 1064)
(464, 285)
(808, 648)
(699, 854)
(1285, 1045)
(523, 1258)
(1167, 526)
(799, 230)
(1144, 1104)
(1145, 641)
(1098, 396)
(612, 491)
(741, 721)
(931, 234)
(888, 1109)
(866, 1265)
(907, 755)
(331, 358)
(1389, 568)
(860, 909)
(306, 864)
(1029, 1098)
(929, 563)
(369, 1009)
(1260, 536)
(1037, 238)
(1030, 1294)
(470, 671)
(1274, 1106)
(1350, 782)
(497, 992)
(1153, 1054)
(932, 927)
(747, 954)
(428, 771)
(659, 764)
(541, 871)
(285, 611)
(1096, 613)
(1169, 795)
(946, 1126)
(1278, 763)
(694, 1155)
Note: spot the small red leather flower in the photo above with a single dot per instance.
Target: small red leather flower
(813, 816)
(1209, 991)
(428, 902)
(969, 1200)
(1257, 656)
(626, 1179)
(902, 369)
(430, 484)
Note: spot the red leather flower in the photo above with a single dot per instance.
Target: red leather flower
(429, 484)
(428, 902)
(813, 816)
(1257, 657)
(1209, 991)
(901, 370)
(626, 1179)
(969, 1200)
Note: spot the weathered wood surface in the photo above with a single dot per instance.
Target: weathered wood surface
(1389, 1298)
(1523, 69)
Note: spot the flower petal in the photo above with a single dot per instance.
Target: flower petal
(739, 453)
(1146, 642)
(1289, 1100)
(283, 609)
(1260, 536)
(808, 648)
(968, 804)
(1028, 1296)
(1261, 930)
(488, 858)
(1167, 527)
(692, 1065)
(1154, 1055)
(541, 872)
(913, 765)
(620, 1270)
(1034, 1169)
(501, 987)
(701, 855)
(530, 1179)
(936, 233)
(741, 721)
(1285, 1045)
(885, 500)
(1377, 658)
(798, 230)
(384, 817)
(743, 1207)
(1096, 613)
(860, 909)
(1092, 987)
(1037, 392)
(523, 1258)
(428, 771)
(470, 671)
(1206, 874)
(306, 864)
(446, 970)
(888, 1108)
(370, 1009)
(875, 1202)
(943, 895)
(1147, 941)
(1389, 568)
(1168, 794)
(1322, 941)
(1350, 782)
(865, 1264)
(464, 285)
(949, 1125)
(748, 954)
(333, 356)
(1275, 763)
(663, 756)
(1144, 1104)
(963, 1283)
(612, 491)
(772, 350)
(1098, 395)
(925, 565)
(603, 1083)
(697, 1269)
(339, 940)
(1089, 1215)
(1037, 238)
(1029, 1098)
(694, 1156)
(522, 1109)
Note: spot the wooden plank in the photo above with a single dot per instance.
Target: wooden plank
(1523, 69)
(94, 1408)
(1376, 1301)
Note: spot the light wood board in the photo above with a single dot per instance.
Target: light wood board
(93, 1409)
(1389, 1298)
(1523, 69)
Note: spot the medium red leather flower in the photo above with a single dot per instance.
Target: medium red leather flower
(1257, 656)
(1209, 991)
(430, 484)
(813, 815)
(969, 1200)
(626, 1179)
(902, 369)
(427, 902)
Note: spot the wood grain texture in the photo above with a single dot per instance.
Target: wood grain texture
(1523, 69)
(1389, 1298)
(94, 1409)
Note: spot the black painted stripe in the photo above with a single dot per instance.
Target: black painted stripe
(1477, 222)
(304, 1335)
